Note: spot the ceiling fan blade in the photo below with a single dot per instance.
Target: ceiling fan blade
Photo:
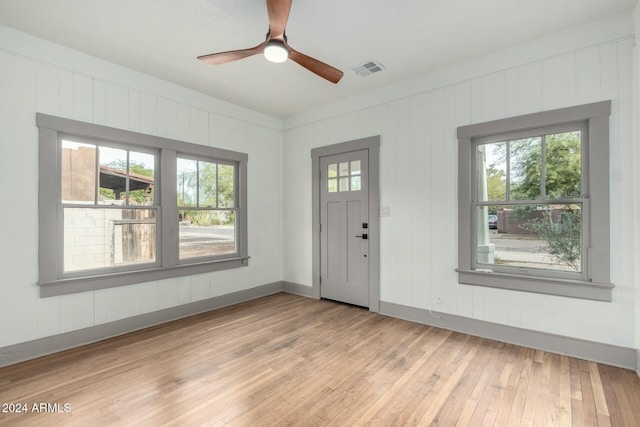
(232, 55)
(318, 67)
(278, 11)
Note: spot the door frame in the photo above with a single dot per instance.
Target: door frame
(372, 146)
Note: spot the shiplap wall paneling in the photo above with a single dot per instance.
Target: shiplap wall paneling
(30, 86)
(401, 140)
(624, 170)
(529, 96)
(420, 206)
(419, 180)
(18, 148)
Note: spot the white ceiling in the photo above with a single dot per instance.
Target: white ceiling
(409, 37)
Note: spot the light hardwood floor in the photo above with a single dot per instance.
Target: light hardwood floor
(289, 360)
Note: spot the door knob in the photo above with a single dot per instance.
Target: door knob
(364, 236)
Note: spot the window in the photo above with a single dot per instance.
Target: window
(118, 207)
(206, 208)
(109, 215)
(344, 176)
(534, 203)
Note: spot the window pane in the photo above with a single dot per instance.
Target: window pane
(332, 170)
(141, 178)
(226, 191)
(333, 185)
(205, 233)
(101, 237)
(563, 165)
(187, 182)
(344, 169)
(492, 170)
(355, 183)
(531, 236)
(78, 172)
(344, 184)
(207, 189)
(113, 176)
(525, 167)
(355, 167)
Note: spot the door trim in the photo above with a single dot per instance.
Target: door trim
(372, 145)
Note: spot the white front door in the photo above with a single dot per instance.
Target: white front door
(344, 227)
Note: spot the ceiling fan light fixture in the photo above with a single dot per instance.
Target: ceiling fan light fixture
(276, 48)
(276, 51)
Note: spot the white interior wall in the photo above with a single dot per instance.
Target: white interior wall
(417, 122)
(636, 136)
(418, 174)
(38, 76)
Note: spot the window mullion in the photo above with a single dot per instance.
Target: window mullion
(127, 181)
(507, 193)
(168, 247)
(217, 185)
(197, 184)
(96, 195)
(543, 167)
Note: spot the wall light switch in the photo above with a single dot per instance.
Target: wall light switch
(385, 211)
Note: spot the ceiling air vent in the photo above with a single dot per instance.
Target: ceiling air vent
(368, 68)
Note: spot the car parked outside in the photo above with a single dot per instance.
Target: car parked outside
(493, 221)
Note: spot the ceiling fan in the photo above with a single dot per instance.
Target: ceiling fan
(276, 48)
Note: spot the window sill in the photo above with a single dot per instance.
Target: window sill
(103, 281)
(540, 285)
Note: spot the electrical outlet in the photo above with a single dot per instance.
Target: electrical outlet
(438, 298)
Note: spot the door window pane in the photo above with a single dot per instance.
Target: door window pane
(332, 185)
(344, 184)
(332, 170)
(356, 184)
(344, 169)
(355, 167)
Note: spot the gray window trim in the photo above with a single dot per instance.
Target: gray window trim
(596, 285)
(52, 282)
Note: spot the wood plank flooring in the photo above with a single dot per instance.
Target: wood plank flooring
(287, 360)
